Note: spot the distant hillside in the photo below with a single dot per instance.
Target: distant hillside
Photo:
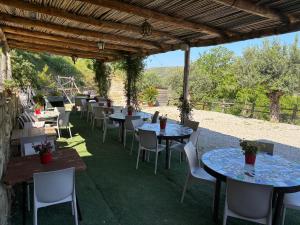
(166, 71)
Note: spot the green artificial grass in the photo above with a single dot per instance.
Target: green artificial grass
(111, 191)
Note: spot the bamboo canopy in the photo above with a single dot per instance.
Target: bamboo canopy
(76, 27)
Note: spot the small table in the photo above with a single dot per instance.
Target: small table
(21, 169)
(17, 134)
(120, 118)
(47, 115)
(173, 131)
(276, 171)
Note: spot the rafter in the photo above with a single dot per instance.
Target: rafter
(36, 40)
(51, 11)
(77, 31)
(252, 8)
(58, 37)
(61, 51)
(151, 14)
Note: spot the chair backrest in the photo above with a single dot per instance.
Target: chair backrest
(39, 124)
(117, 109)
(31, 117)
(63, 119)
(148, 139)
(263, 146)
(90, 106)
(60, 110)
(249, 200)
(128, 123)
(191, 124)
(83, 102)
(54, 186)
(194, 138)
(191, 154)
(155, 116)
(137, 123)
(99, 112)
(28, 142)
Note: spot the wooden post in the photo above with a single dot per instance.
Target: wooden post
(186, 80)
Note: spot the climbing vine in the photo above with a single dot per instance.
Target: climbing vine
(102, 77)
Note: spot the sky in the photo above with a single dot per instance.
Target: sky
(176, 58)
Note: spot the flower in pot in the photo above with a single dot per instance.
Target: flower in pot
(150, 95)
(39, 102)
(130, 110)
(163, 122)
(44, 150)
(250, 151)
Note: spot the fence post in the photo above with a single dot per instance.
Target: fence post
(294, 114)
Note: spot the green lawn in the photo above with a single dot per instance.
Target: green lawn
(111, 191)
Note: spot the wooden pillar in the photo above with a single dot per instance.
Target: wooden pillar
(186, 81)
(8, 67)
(3, 65)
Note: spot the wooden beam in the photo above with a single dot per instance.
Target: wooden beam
(77, 31)
(36, 40)
(253, 8)
(151, 14)
(60, 50)
(3, 40)
(58, 37)
(51, 11)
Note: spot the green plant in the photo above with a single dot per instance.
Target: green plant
(39, 100)
(9, 85)
(102, 77)
(42, 148)
(150, 95)
(248, 147)
(185, 108)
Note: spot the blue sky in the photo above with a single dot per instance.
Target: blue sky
(176, 58)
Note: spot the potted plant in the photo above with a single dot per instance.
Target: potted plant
(39, 103)
(250, 150)
(130, 110)
(44, 150)
(150, 95)
(163, 122)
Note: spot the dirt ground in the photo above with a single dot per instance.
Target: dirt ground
(223, 130)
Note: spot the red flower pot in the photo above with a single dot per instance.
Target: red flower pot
(163, 124)
(46, 157)
(129, 112)
(37, 111)
(250, 158)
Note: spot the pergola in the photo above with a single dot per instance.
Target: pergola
(77, 27)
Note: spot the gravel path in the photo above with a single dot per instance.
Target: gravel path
(224, 130)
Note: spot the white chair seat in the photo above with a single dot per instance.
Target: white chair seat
(200, 173)
(177, 146)
(292, 200)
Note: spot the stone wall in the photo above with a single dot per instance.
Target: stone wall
(9, 108)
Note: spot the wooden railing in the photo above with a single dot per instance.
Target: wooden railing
(250, 110)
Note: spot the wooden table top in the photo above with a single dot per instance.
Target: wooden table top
(17, 134)
(21, 169)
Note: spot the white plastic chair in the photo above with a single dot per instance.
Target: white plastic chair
(195, 173)
(179, 147)
(83, 107)
(291, 201)
(60, 110)
(117, 109)
(248, 201)
(191, 124)
(38, 124)
(107, 124)
(148, 142)
(55, 187)
(90, 110)
(27, 149)
(128, 127)
(63, 122)
(135, 124)
(98, 114)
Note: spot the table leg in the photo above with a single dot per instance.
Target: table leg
(78, 209)
(278, 209)
(217, 200)
(122, 132)
(24, 208)
(167, 154)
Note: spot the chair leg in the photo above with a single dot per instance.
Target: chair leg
(75, 209)
(225, 213)
(35, 215)
(138, 159)
(70, 131)
(104, 133)
(28, 197)
(185, 187)
(283, 215)
(170, 156)
(124, 138)
(132, 143)
(72, 206)
(156, 158)
(58, 131)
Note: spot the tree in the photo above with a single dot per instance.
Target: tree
(273, 65)
(102, 77)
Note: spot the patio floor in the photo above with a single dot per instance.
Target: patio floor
(111, 191)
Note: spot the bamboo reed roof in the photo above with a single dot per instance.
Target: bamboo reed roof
(74, 27)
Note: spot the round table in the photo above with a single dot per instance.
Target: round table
(47, 115)
(173, 131)
(120, 118)
(276, 171)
